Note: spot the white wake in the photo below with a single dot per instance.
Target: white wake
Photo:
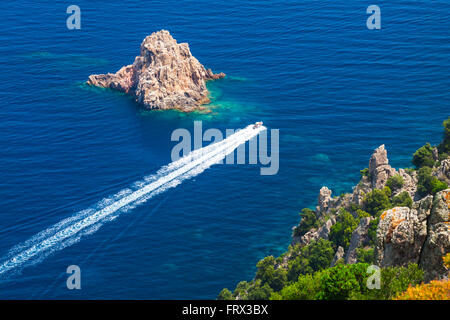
(70, 230)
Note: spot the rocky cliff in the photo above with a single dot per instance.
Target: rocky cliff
(418, 233)
(164, 76)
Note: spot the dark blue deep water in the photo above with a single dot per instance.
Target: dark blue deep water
(312, 69)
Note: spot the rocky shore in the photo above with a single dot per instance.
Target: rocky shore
(164, 76)
(419, 233)
(395, 220)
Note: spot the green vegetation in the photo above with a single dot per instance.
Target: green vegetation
(395, 182)
(444, 147)
(310, 258)
(365, 172)
(307, 222)
(403, 199)
(275, 278)
(428, 184)
(344, 282)
(341, 231)
(304, 271)
(372, 232)
(423, 157)
(365, 255)
(377, 201)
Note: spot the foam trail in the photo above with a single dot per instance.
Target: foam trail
(71, 230)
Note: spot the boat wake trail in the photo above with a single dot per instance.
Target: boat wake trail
(71, 230)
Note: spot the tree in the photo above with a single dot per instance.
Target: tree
(225, 294)
(307, 222)
(423, 157)
(428, 184)
(274, 278)
(313, 257)
(395, 182)
(342, 281)
(377, 201)
(403, 199)
(444, 147)
(341, 231)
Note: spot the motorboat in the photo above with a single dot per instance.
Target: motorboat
(257, 124)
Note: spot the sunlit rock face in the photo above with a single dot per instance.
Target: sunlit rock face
(164, 76)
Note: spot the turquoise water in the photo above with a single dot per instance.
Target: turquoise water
(335, 89)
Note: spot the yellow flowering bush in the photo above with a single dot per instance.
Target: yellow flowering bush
(435, 290)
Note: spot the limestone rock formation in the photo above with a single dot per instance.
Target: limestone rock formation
(359, 239)
(443, 171)
(437, 242)
(379, 168)
(324, 199)
(164, 76)
(337, 256)
(419, 235)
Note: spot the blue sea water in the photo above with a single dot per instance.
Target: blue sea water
(312, 69)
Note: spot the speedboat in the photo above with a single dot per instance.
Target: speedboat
(257, 124)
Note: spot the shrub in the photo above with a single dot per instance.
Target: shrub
(365, 172)
(362, 214)
(435, 290)
(395, 182)
(377, 201)
(428, 184)
(307, 222)
(342, 281)
(341, 231)
(423, 157)
(313, 257)
(444, 147)
(403, 199)
(225, 294)
(394, 280)
(365, 255)
(372, 231)
(446, 260)
(306, 288)
(275, 278)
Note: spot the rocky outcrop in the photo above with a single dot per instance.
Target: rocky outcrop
(442, 172)
(437, 242)
(359, 239)
(324, 199)
(401, 233)
(339, 255)
(419, 235)
(379, 168)
(164, 76)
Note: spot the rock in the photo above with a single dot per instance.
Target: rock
(409, 182)
(337, 256)
(164, 76)
(435, 154)
(437, 242)
(359, 239)
(320, 233)
(379, 168)
(324, 199)
(443, 171)
(360, 190)
(401, 233)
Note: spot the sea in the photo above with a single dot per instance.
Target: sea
(333, 88)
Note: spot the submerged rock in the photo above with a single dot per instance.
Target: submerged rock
(164, 76)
